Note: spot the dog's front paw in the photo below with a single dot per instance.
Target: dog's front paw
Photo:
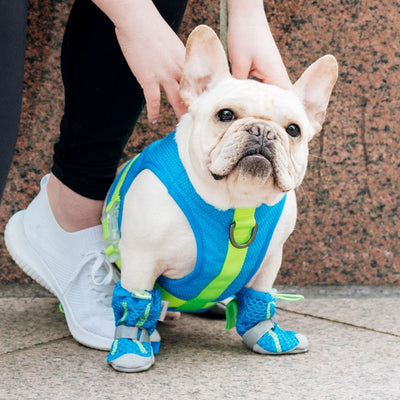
(259, 332)
(267, 338)
(133, 355)
(136, 339)
(127, 355)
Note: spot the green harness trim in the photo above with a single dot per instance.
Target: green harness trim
(115, 197)
(109, 221)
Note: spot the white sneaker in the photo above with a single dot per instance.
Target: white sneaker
(72, 266)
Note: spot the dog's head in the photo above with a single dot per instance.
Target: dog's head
(243, 142)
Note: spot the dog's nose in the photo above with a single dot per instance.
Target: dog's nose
(263, 130)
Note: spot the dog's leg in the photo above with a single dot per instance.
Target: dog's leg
(256, 302)
(256, 308)
(136, 315)
(136, 303)
(137, 306)
(148, 249)
(261, 334)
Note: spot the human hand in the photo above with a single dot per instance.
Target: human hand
(251, 47)
(152, 50)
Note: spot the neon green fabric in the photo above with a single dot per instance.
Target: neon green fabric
(115, 195)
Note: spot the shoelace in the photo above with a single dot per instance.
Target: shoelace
(103, 275)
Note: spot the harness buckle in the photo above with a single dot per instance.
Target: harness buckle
(244, 245)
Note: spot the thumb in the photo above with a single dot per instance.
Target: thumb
(153, 98)
(240, 69)
(175, 100)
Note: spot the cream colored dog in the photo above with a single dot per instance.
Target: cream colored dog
(243, 145)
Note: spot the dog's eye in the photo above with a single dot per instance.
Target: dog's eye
(293, 130)
(225, 115)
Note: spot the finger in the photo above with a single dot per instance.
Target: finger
(153, 98)
(272, 74)
(179, 108)
(240, 69)
(174, 98)
(277, 78)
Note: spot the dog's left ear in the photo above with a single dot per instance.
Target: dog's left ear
(205, 64)
(314, 88)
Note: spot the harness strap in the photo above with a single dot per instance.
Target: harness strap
(109, 220)
(244, 227)
(115, 196)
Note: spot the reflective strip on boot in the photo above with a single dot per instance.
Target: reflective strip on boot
(131, 332)
(253, 335)
(267, 338)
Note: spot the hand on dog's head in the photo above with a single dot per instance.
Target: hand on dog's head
(244, 142)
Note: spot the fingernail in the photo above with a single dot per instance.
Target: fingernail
(154, 121)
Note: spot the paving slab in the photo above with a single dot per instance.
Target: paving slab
(375, 308)
(199, 360)
(26, 322)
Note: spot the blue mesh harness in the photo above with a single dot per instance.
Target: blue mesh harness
(211, 229)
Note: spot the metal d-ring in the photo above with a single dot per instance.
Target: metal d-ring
(244, 245)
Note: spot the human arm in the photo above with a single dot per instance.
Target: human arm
(251, 46)
(145, 37)
(151, 48)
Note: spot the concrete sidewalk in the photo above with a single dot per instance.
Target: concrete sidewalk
(354, 335)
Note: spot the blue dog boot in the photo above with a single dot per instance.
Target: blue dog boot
(136, 316)
(258, 331)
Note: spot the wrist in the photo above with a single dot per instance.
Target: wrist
(129, 13)
(239, 9)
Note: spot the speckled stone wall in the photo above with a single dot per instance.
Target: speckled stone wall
(348, 225)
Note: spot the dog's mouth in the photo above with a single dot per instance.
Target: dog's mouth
(255, 162)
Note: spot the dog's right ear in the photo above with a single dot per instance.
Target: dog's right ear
(314, 88)
(205, 64)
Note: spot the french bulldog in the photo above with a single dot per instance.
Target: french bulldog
(202, 215)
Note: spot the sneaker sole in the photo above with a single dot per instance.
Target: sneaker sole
(28, 259)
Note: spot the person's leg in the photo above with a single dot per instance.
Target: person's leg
(12, 51)
(103, 103)
(58, 239)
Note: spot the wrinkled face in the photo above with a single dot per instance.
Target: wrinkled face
(242, 139)
(251, 133)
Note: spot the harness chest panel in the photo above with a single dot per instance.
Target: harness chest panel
(221, 269)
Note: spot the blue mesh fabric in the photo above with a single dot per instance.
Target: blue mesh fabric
(278, 341)
(131, 310)
(253, 307)
(121, 347)
(209, 225)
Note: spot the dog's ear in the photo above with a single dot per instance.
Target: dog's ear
(314, 88)
(205, 63)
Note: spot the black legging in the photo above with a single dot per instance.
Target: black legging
(103, 100)
(12, 51)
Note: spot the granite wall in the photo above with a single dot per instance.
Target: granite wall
(348, 225)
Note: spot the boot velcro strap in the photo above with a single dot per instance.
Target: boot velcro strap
(131, 332)
(254, 334)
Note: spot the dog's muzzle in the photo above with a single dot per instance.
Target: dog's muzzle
(256, 155)
(263, 131)
(258, 151)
